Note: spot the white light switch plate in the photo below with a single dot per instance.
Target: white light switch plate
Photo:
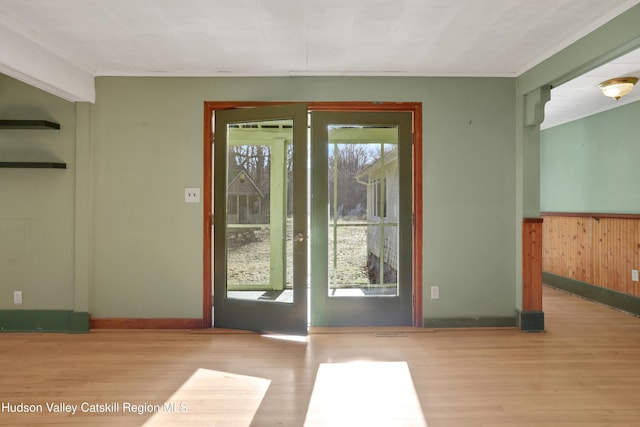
(192, 195)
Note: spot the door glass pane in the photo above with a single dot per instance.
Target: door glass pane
(363, 211)
(259, 197)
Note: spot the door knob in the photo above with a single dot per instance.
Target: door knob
(299, 237)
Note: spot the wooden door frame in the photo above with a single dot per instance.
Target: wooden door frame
(415, 108)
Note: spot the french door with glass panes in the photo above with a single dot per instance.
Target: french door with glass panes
(361, 247)
(260, 207)
(270, 189)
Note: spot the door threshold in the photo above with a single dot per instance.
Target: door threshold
(227, 331)
(377, 330)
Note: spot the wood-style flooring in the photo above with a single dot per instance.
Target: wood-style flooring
(583, 371)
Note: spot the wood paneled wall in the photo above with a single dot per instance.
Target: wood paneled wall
(532, 264)
(600, 249)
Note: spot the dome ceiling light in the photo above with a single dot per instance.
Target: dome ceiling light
(618, 87)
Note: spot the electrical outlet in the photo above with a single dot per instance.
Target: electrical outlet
(435, 292)
(634, 276)
(17, 297)
(192, 195)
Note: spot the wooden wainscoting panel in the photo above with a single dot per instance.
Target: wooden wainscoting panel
(594, 248)
(615, 243)
(532, 264)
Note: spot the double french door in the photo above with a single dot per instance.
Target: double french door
(312, 219)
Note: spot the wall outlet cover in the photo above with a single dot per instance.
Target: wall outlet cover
(192, 195)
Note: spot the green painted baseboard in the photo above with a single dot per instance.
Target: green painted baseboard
(591, 292)
(44, 321)
(469, 322)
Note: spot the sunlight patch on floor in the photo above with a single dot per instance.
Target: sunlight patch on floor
(213, 398)
(282, 337)
(364, 393)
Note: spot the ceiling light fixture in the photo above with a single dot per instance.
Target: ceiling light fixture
(615, 88)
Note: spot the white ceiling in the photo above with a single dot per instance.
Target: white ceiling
(582, 96)
(61, 45)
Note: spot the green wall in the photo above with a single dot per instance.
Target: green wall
(148, 147)
(591, 164)
(111, 235)
(36, 205)
(469, 198)
(141, 144)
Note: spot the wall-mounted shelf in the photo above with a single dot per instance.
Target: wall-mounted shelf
(31, 124)
(33, 165)
(28, 124)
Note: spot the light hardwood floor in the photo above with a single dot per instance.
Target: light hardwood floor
(584, 371)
